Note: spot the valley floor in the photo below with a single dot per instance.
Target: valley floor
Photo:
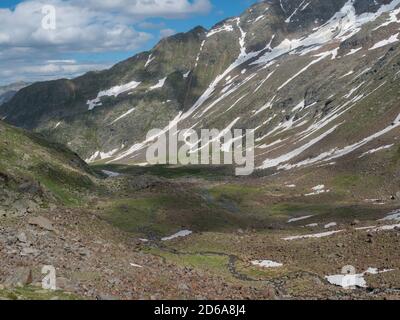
(157, 233)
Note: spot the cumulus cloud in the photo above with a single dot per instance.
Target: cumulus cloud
(82, 26)
(38, 70)
(77, 28)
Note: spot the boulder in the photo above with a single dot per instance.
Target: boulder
(41, 222)
(22, 237)
(20, 278)
(29, 251)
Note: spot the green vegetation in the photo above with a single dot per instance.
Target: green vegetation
(205, 262)
(25, 157)
(34, 293)
(140, 215)
(162, 214)
(346, 183)
(237, 192)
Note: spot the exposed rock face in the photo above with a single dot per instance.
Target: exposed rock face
(317, 80)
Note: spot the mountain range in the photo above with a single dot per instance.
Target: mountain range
(318, 83)
(303, 74)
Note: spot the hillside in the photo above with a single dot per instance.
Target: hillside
(35, 173)
(8, 91)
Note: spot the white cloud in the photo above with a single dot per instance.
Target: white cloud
(27, 49)
(77, 29)
(38, 70)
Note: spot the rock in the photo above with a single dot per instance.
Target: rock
(65, 284)
(398, 195)
(3, 213)
(20, 278)
(29, 251)
(355, 222)
(114, 281)
(84, 252)
(11, 240)
(22, 237)
(270, 292)
(183, 286)
(42, 223)
(19, 207)
(30, 187)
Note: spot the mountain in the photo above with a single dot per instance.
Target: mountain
(8, 91)
(318, 82)
(316, 79)
(35, 173)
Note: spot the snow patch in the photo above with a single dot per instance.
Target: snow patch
(226, 28)
(159, 84)
(394, 38)
(350, 281)
(180, 234)
(317, 190)
(372, 151)
(395, 215)
(114, 91)
(330, 225)
(149, 60)
(266, 264)
(124, 115)
(315, 235)
(300, 218)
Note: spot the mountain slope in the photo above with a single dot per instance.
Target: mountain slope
(36, 173)
(317, 80)
(7, 92)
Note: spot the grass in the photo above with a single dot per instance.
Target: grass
(66, 186)
(33, 293)
(260, 272)
(237, 192)
(139, 215)
(346, 183)
(25, 156)
(208, 263)
(167, 212)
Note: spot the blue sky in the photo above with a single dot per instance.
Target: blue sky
(94, 34)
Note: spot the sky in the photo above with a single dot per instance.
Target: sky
(48, 39)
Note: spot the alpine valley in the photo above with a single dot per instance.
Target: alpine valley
(319, 84)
